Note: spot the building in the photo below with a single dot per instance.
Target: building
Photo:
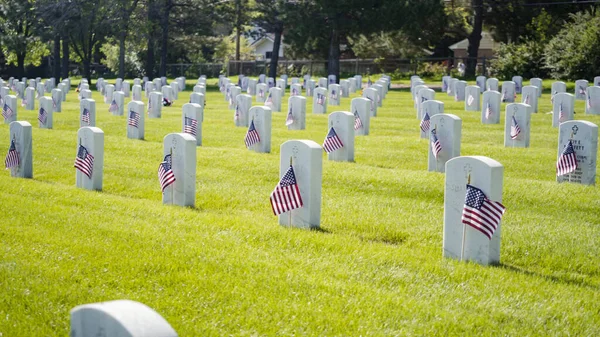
(263, 47)
(487, 47)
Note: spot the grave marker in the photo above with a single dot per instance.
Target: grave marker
(29, 99)
(108, 96)
(333, 94)
(539, 84)
(517, 125)
(180, 150)
(40, 90)
(492, 84)
(136, 92)
(19, 159)
(446, 129)
(342, 122)
(583, 136)
(445, 83)
(117, 105)
(379, 89)
(361, 110)
(359, 83)
(87, 112)
(423, 95)
(199, 89)
(344, 88)
(261, 117)
(125, 88)
(459, 90)
(430, 109)
(557, 87)
(372, 95)
(580, 89)
(234, 91)
(119, 84)
(472, 98)
(296, 89)
(191, 121)
(322, 82)
(274, 99)
(508, 92)
(597, 81)
(251, 88)
(174, 90)
(9, 109)
(310, 88)
(592, 103)
(296, 115)
(320, 100)
(490, 110)
(518, 83)
(352, 85)
(451, 87)
(530, 97)
(155, 104)
(197, 98)
(56, 100)
(261, 92)
(46, 112)
(63, 88)
(135, 120)
(89, 160)
(281, 85)
(481, 83)
(563, 108)
(242, 108)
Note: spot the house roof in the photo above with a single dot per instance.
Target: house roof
(487, 42)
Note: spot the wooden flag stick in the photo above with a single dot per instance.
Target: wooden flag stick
(290, 212)
(570, 139)
(173, 184)
(462, 248)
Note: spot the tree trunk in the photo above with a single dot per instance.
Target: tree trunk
(333, 61)
(474, 38)
(21, 64)
(238, 32)
(275, 53)
(56, 54)
(164, 23)
(122, 53)
(65, 58)
(86, 71)
(150, 60)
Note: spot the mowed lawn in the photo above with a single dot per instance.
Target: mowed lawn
(226, 267)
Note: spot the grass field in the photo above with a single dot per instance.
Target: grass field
(226, 267)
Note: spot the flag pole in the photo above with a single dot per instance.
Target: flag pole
(290, 212)
(431, 149)
(513, 140)
(570, 139)
(173, 184)
(462, 246)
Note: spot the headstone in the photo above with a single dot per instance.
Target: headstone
(492, 84)
(119, 84)
(122, 318)
(305, 156)
(56, 100)
(296, 115)
(261, 116)
(472, 98)
(182, 149)
(20, 133)
(148, 88)
(580, 87)
(379, 89)
(244, 86)
(322, 82)
(51, 84)
(234, 91)
(445, 83)
(459, 91)
(191, 121)
(361, 110)
(342, 123)
(40, 90)
(181, 82)
(451, 87)
(430, 108)
(29, 100)
(310, 88)
(108, 95)
(46, 112)
(281, 85)
(320, 100)
(87, 112)
(517, 124)
(155, 104)
(145, 79)
(125, 88)
(136, 92)
(242, 108)
(174, 90)
(597, 81)
(372, 95)
(490, 109)
(557, 87)
(284, 77)
(345, 88)
(584, 139)
(358, 81)
(296, 89)
(295, 80)
(270, 82)
(117, 105)
(273, 101)
(508, 92)
(481, 83)
(487, 175)
(135, 120)
(529, 95)
(518, 83)
(63, 89)
(163, 81)
(563, 108)
(157, 84)
(137, 81)
(32, 83)
(331, 79)
(9, 109)
(197, 98)
(85, 93)
(4, 91)
(262, 78)
(447, 128)
(261, 92)
(89, 161)
(333, 94)
(167, 92)
(423, 95)
(199, 89)
(592, 103)
(539, 84)
(414, 94)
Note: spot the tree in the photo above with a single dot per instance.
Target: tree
(474, 37)
(124, 9)
(271, 15)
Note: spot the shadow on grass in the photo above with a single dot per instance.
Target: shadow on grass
(562, 280)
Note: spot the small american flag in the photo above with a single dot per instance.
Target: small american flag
(425, 122)
(222, 88)
(332, 141)
(470, 100)
(481, 213)
(261, 93)
(12, 158)
(269, 100)
(567, 161)
(526, 99)
(24, 101)
(84, 161)
(320, 99)
(252, 136)
(43, 116)
(561, 113)
(190, 126)
(436, 146)
(134, 119)
(85, 116)
(514, 128)
(488, 111)
(165, 172)
(333, 94)
(581, 90)
(236, 116)
(503, 98)
(53, 102)
(444, 85)
(113, 106)
(290, 117)
(357, 122)
(552, 97)
(589, 101)
(372, 104)
(369, 82)
(294, 92)
(7, 112)
(286, 195)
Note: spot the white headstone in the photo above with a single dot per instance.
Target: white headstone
(234, 91)
(92, 138)
(448, 130)
(157, 84)
(492, 84)
(539, 84)
(459, 91)
(352, 85)
(565, 102)
(481, 83)
(281, 85)
(592, 104)
(261, 92)
(167, 92)
(333, 94)
(181, 82)
(191, 121)
(490, 109)
(345, 88)
(445, 83)
(451, 86)
(508, 92)
(487, 175)
(361, 110)
(122, 318)
(297, 109)
(529, 96)
(32, 83)
(358, 81)
(262, 78)
(331, 79)
(119, 100)
(423, 95)
(199, 89)
(518, 83)
(9, 110)
(20, 132)
(273, 101)
(85, 93)
(557, 87)
(310, 88)
(136, 120)
(57, 100)
(87, 112)
(136, 92)
(46, 112)
(472, 98)
(63, 88)
(584, 138)
(580, 87)
(270, 82)
(174, 90)
(431, 108)
(242, 108)
(307, 160)
(108, 94)
(155, 104)
(251, 87)
(597, 81)
(295, 80)
(137, 81)
(517, 125)
(40, 90)
(320, 100)
(197, 98)
(373, 96)
(296, 89)
(29, 100)
(322, 82)
(163, 81)
(119, 84)
(125, 88)
(342, 123)
(182, 148)
(379, 89)
(261, 116)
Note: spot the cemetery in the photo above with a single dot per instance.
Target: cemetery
(135, 206)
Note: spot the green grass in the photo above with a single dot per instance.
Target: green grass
(227, 268)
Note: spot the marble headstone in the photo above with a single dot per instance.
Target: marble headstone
(21, 133)
(242, 108)
(423, 95)
(448, 130)
(490, 109)
(459, 90)
(492, 84)
(565, 102)
(261, 115)
(182, 148)
(297, 108)
(119, 99)
(343, 124)
(529, 96)
(472, 98)
(320, 100)
(87, 112)
(480, 82)
(360, 108)
(431, 108)
(519, 114)
(92, 138)
(155, 104)
(584, 137)
(538, 83)
(273, 100)
(508, 92)
(372, 95)
(9, 110)
(261, 92)
(580, 87)
(136, 120)
(191, 121)
(57, 100)
(29, 100)
(518, 83)
(592, 104)
(333, 94)
(46, 113)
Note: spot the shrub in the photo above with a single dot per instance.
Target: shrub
(525, 59)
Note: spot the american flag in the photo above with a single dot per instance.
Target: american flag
(372, 104)
(43, 116)
(320, 99)
(53, 102)
(332, 141)
(444, 85)
(482, 213)
(488, 111)
(589, 101)
(514, 128)
(503, 98)
(436, 147)
(294, 92)
(252, 136)
(290, 117)
(333, 94)
(12, 158)
(526, 99)
(470, 100)
(165, 172)
(84, 161)
(269, 100)
(7, 112)
(236, 116)
(190, 126)
(567, 161)
(286, 195)
(369, 82)
(357, 122)
(222, 88)
(24, 101)
(113, 106)
(561, 112)
(261, 93)
(134, 119)
(581, 90)
(425, 122)
(85, 116)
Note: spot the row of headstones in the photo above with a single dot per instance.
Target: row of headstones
(35, 89)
